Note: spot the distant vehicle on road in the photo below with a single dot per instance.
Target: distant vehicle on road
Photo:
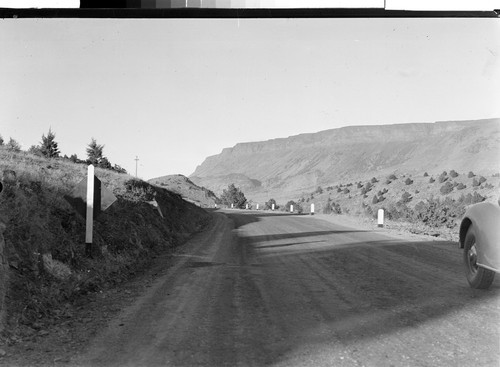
(480, 239)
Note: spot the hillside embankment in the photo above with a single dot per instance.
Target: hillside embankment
(43, 266)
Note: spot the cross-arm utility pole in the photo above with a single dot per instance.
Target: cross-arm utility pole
(136, 159)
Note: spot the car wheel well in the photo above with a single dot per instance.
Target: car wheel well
(464, 227)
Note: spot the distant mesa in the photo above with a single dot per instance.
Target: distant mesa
(287, 166)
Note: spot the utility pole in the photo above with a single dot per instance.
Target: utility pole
(136, 159)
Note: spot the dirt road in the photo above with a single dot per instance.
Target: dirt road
(284, 290)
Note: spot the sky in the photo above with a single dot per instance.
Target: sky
(174, 91)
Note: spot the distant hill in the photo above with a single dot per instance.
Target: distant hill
(188, 190)
(289, 166)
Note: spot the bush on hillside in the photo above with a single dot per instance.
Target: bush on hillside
(406, 197)
(470, 199)
(436, 213)
(392, 177)
(408, 181)
(13, 145)
(453, 173)
(297, 208)
(443, 177)
(482, 179)
(373, 180)
(375, 199)
(367, 188)
(446, 188)
(233, 195)
(48, 145)
(461, 186)
(269, 204)
(426, 174)
(475, 183)
(432, 180)
(470, 174)
(346, 191)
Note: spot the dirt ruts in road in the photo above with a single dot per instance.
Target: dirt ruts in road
(262, 289)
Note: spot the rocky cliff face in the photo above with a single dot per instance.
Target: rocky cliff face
(305, 161)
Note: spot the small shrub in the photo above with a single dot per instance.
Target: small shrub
(443, 177)
(408, 181)
(392, 177)
(375, 199)
(426, 174)
(471, 174)
(471, 198)
(13, 145)
(374, 180)
(387, 182)
(453, 173)
(475, 183)
(446, 188)
(482, 179)
(346, 191)
(406, 197)
(432, 180)
(359, 185)
(461, 186)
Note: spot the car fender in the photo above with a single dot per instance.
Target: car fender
(485, 217)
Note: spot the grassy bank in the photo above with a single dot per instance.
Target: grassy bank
(45, 237)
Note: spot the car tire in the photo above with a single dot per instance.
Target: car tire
(478, 277)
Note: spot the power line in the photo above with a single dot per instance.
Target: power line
(136, 159)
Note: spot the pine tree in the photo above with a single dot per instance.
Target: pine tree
(48, 145)
(94, 152)
(13, 145)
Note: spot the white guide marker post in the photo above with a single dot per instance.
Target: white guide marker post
(380, 217)
(247, 206)
(232, 206)
(257, 206)
(272, 207)
(90, 210)
(291, 208)
(312, 209)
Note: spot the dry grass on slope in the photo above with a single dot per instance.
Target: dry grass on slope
(45, 237)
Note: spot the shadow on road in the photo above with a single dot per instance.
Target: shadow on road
(337, 287)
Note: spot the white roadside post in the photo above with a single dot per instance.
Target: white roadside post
(312, 209)
(272, 207)
(257, 206)
(232, 206)
(291, 208)
(90, 210)
(380, 217)
(247, 206)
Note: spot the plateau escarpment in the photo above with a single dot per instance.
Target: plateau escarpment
(287, 166)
